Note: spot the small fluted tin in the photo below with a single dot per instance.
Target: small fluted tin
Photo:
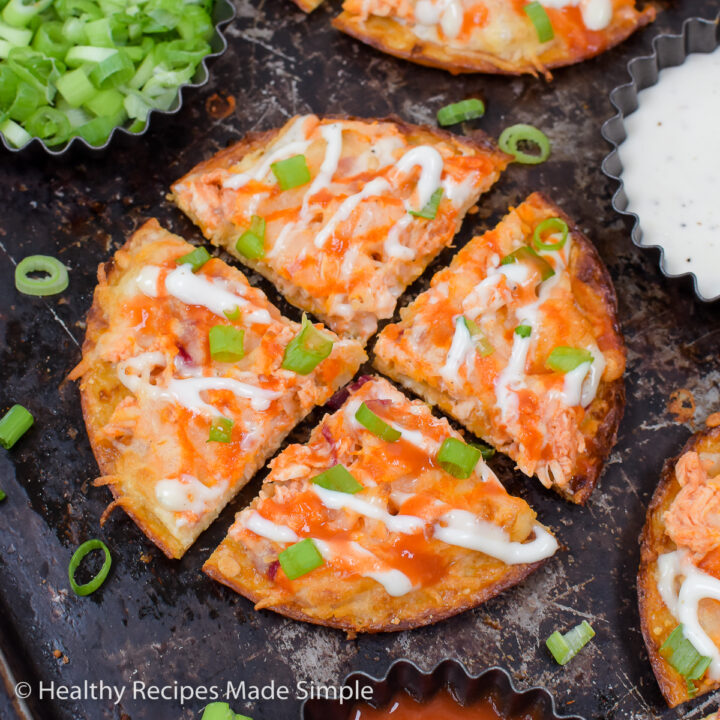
(223, 13)
(698, 35)
(451, 675)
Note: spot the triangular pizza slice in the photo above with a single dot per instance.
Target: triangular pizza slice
(518, 340)
(340, 214)
(384, 520)
(190, 380)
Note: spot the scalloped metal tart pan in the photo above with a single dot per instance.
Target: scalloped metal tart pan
(699, 35)
(404, 676)
(223, 13)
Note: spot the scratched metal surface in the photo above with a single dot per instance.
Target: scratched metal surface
(163, 622)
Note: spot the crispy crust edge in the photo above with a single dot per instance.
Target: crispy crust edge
(595, 275)
(516, 574)
(477, 141)
(671, 683)
(375, 31)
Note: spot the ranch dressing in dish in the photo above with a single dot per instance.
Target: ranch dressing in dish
(670, 169)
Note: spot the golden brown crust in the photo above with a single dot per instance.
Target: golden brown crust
(595, 294)
(656, 621)
(393, 37)
(256, 588)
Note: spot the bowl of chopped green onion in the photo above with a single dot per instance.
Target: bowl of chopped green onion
(77, 71)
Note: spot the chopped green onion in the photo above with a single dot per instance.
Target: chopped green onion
(105, 103)
(251, 243)
(430, 210)
(511, 138)
(114, 70)
(565, 647)
(307, 349)
(683, 657)
(539, 17)
(291, 172)
(550, 226)
(458, 458)
(232, 315)
(50, 125)
(226, 343)
(219, 710)
(485, 450)
(527, 255)
(339, 479)
(564, 359)
(377, 426)
(523, 331)
(79, 555)
(300, 559)
(75, 87)
(483, 346)
(15, 134)
(462, 111)
(221, 430)
(19, 14)
(56, 276)
(197, 258)
(2, 495)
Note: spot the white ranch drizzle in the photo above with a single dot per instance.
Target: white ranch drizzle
(332, 134)
(596, 14)
(146, 280)
(463, 529)
(695, 586)
(256, 523)
(512, 378)
(187, 494)
(431, 164)
(193, 289)
(461, 346)
(186, 391)
(288, 145)
(393, 247)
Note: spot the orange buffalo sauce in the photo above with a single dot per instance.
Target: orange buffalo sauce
(442, 706)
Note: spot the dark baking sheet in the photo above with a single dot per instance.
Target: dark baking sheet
(163, 622)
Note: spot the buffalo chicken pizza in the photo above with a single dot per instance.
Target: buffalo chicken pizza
(190, 380)
(340, 214)
(679, 578)
(385, 520)
(495, 36)
(518, 340)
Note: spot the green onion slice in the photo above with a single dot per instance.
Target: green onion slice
(232, 315)
(565, 647)
(376, 425)
(221, 430)
(251, 243)
(485, 450)
(79, 555)
(14, 424)
(430, 210)
(307, 349)
(527, 255)
(339, 479)
(564, 359)
(523, 331)
(56, 276)
(2, 495)
(220, 710)
(483, 346)
(462, 111)
(511, 138)
(291, 172)
(300, 559)
(458, 458)
(682, 655)
(197, 258)
(539, 17)
(550, 226)
(226, 343)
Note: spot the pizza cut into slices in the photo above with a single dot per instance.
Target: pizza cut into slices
(518, 340)
(679, 577)
(190, 380)
(493, 36)
(385, 520)
(340, 214)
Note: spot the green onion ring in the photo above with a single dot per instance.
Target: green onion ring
(550, 226)
(56, 281)
(512, 136)
(78, 556)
